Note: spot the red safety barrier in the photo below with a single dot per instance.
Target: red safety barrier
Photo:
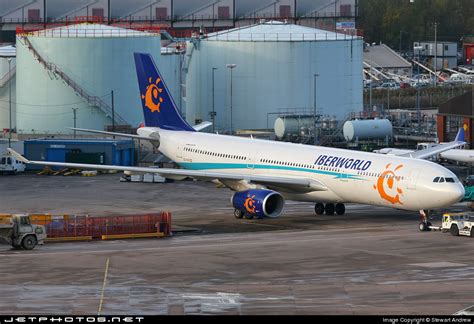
(77, 226)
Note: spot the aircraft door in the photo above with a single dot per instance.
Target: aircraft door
(250, 162)
(412, 179)
(179, 151)
(343, 177)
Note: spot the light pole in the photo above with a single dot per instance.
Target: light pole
(401, 32)
(315, 109)
(213, 113)
(231, 67)
(74, 113)
(10, 101)
(418, 113)
(436, 53)
(113, 111)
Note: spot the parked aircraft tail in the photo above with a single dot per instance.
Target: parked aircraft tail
(159, 108)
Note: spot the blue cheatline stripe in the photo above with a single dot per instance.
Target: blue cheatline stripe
(211, 165)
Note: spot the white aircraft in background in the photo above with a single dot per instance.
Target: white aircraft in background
(265, 173)
(458, 155)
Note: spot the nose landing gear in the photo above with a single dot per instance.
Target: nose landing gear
(425, 224)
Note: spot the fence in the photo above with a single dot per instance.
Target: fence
(96, 227)
(70, 226)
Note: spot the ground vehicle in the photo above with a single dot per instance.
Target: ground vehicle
(458, 224)
(18, 231)
(9, 164)
(389, 85)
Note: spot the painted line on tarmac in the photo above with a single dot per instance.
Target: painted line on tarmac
(103, 286)
(266, 225)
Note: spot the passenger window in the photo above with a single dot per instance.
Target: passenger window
(436, 179)
(9, 161)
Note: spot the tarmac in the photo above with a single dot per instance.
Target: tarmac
(371, 260)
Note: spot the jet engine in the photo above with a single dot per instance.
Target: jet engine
(259, 202)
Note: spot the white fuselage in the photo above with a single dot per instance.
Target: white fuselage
(350, 176)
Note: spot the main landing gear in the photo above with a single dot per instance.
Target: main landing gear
(425, 223)
(240, 214)
(330, 209)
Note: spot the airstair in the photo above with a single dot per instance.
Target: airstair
(93, 101)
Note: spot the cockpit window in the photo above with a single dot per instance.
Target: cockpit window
(441, 179)
(449, 179)
(436, 179)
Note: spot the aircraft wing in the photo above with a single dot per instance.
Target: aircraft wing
(426, 153)
(299, 183)
(392, 151)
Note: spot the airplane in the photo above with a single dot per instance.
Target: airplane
(265, 173)
(458, 155)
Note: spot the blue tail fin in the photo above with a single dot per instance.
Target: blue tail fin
(159, 108)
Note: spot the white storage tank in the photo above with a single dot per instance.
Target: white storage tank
(276, 67)
(96, 59)
(292, 125)
(367, 129)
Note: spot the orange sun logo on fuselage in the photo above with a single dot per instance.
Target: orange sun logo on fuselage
(388, 179)
(250, 204)
(152, 95)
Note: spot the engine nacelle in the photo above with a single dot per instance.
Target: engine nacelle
(259, 202)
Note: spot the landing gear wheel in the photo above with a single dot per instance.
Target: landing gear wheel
(340, 209)
(248, 216)
(454, 230)
(319, 209)
(238, 213)
(425, 226)
(29, 242)
(425, 223)
(330, 208)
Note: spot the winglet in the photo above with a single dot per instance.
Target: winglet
(17, 155)
(460, 135)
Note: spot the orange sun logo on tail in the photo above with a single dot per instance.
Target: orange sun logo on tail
(250, 204)
(387, 185)
(152, 95)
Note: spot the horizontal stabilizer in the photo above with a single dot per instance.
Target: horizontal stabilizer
(115, 134)
(201, 126)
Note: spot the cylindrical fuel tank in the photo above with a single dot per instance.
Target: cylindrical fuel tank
(367, 129)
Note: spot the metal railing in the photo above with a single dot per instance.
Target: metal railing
(276, 37)
(81, 32)
(91, 100)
